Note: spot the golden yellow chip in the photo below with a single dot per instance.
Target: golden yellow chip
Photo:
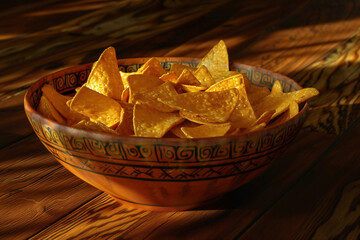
(276, 88)
(59, 102)
(203, 75)
(177, 69)
(255, 93)
(46, 109)
(125, 127)
(192, 88)
(94, 126)
(141, 82)
(97, 107)
(218, 76)
(243, 115)
(186, 77)
(217, 59)
(169, 77)
(209, 107)
(150, 97)
(176, 130)
(207, 130)
(152, 123)
(280, 101)
(152, 67)
(105, 77)
(289, 114)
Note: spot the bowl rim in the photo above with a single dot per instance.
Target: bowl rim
(111, 137)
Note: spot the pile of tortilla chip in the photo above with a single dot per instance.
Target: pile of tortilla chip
(186, 102)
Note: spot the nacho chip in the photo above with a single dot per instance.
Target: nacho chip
(207, 130)
(94, 126)
(97, 107)
(276, 88)
(243, 115)
(177, 129)
(217, 59)
(255, 93)
(152, 123)
(178, 68)
(186, 77)
(105, 77)
(287, 115)
(150, 97)
(208, 107)
(192, 88)
(169, 77)
(46, 109)
(125, 127)
(141, 82)
(59, 102)
(152, 67)
(203, 75)
(218, 76)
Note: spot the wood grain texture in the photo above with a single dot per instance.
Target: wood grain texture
(35, 190)
(324, 204)
(224, 218)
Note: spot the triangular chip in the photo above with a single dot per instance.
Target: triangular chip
(178, 68)
(141, 82)
(169, 77)
(150, 97)
(287, 115)
(243, 115)
(177, 129)
(46, 109)
(217, 59)
(255, 93)
(97, 107)
(209, 107)
(203, 75)
(59, 101)
(207, 130)
(105, 77)
(152, 67)
(152, 123)
(192, 88)
(125, 127)
(186, 77)
(221, 75)
(94, 126)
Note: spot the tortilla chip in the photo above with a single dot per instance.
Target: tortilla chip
(176, 131)
(152, 123)
(169, 77)
(150, 97)
(105, 77)
(177, 69)
(243, 115)
(218, 76)
(97, 107)
(287, 115)
(94, 126)
(217, 59)
(186, 77)
(152, 67)
(208, 107)
(59, 102)
(255, 93)
(207, 130)
(192, 88)
(125, 127)
(203, 75)
(140, 83)
(46, 109)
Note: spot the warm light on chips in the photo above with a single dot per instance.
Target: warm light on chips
(187, 102)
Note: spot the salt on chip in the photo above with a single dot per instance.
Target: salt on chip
(105, 77)
(152, 67)
(208, 107)
(141, 82)
(206, 130)
(59, 102)
(217, 59)
(203, 75)
(125, 127)
(97, 107)
(152, 123)
(47, 109)
(150, 97)
(178, 68)
(243, 115)
(94, 126)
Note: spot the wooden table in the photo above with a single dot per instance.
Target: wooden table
(311, 192)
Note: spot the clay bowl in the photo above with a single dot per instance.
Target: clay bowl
(165, 174)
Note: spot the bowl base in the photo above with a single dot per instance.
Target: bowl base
(160, 208)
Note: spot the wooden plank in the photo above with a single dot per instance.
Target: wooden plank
(226, 217)
(35, 190)
(324, 204)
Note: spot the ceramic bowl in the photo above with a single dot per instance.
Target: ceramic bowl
(165, 174)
